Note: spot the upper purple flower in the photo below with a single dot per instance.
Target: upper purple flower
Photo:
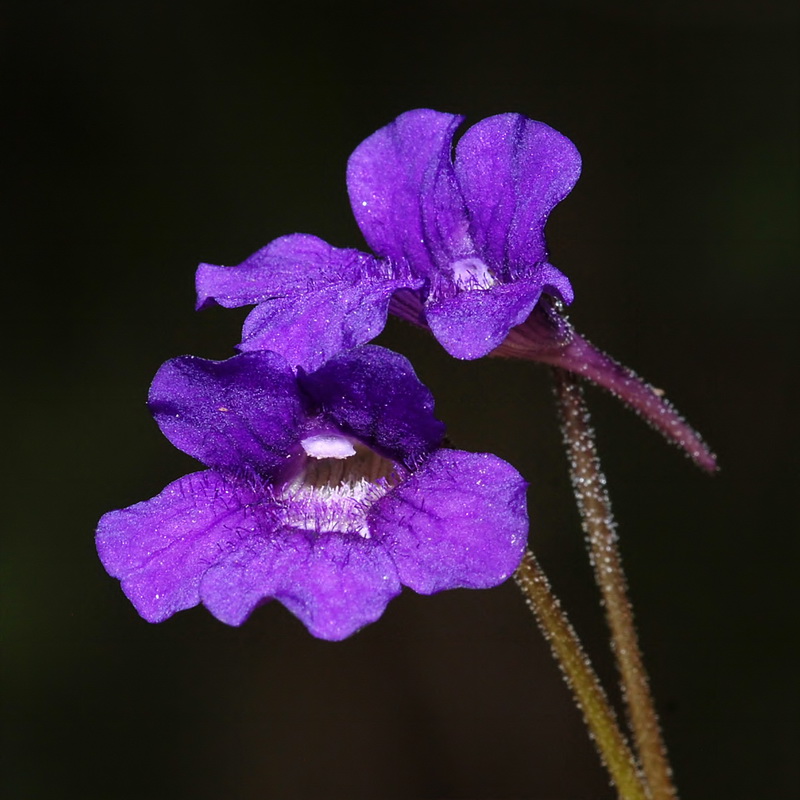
(472, 226)
(460, 250)
(327, 491)
(464, 235)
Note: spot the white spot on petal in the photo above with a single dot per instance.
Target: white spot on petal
(472, 273)
(328, 445)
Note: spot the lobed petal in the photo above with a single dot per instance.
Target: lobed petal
(251, 575)
(375, 395)
(344, 583)
(473, 323)
(334, 584)
(403, 191)
(308, 328)
(288, 264)
(161, 548)
(460, 522)
(243, 412)
(512, 171)
(313, 300)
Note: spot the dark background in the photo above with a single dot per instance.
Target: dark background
(143, 138)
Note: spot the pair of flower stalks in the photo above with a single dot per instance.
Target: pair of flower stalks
(328, 486)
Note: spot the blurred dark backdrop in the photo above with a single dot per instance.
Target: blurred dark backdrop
(142, 138)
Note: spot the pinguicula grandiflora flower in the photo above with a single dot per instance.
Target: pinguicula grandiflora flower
(459, 249)
(327, 491)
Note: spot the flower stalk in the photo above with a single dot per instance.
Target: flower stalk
(589, 485)
(582, 680)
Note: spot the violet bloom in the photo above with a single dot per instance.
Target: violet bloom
(327, 491)
(460, 251)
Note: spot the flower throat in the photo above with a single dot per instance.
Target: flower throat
(336, 486)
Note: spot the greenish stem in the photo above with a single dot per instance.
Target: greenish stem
(582, 680)
(589, 485)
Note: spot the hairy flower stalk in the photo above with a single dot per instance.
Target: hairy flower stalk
(581, 679)
(589, 485)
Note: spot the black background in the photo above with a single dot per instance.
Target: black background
(142, 138)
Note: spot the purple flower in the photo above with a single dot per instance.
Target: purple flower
(327, 491)
(462, 241)
(460, 250)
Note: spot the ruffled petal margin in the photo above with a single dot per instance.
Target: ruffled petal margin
(334, 584)
(344, 583)
(161, 548)
(211, 539)
(312, 300)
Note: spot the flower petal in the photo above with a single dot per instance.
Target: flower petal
(313, 300)
(161, 548)
(512, 171)
(309, 328)
(474, 322)
(344, 583)
(291, 263)
(335, 583)
(461, 521)
(231, 589)
(243, 412)
(394, 179)
(375, 395)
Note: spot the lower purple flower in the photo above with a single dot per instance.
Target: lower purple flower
(327, 491)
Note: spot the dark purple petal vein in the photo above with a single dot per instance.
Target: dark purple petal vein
(512, 171)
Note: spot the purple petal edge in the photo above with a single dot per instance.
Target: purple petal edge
(375, 395)
(512, 171)
(334, 584)
(387, 175)
(161, 548)
(308, 329)
(473, 323)
(343, 585)
(241, 412)
(312, 300)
